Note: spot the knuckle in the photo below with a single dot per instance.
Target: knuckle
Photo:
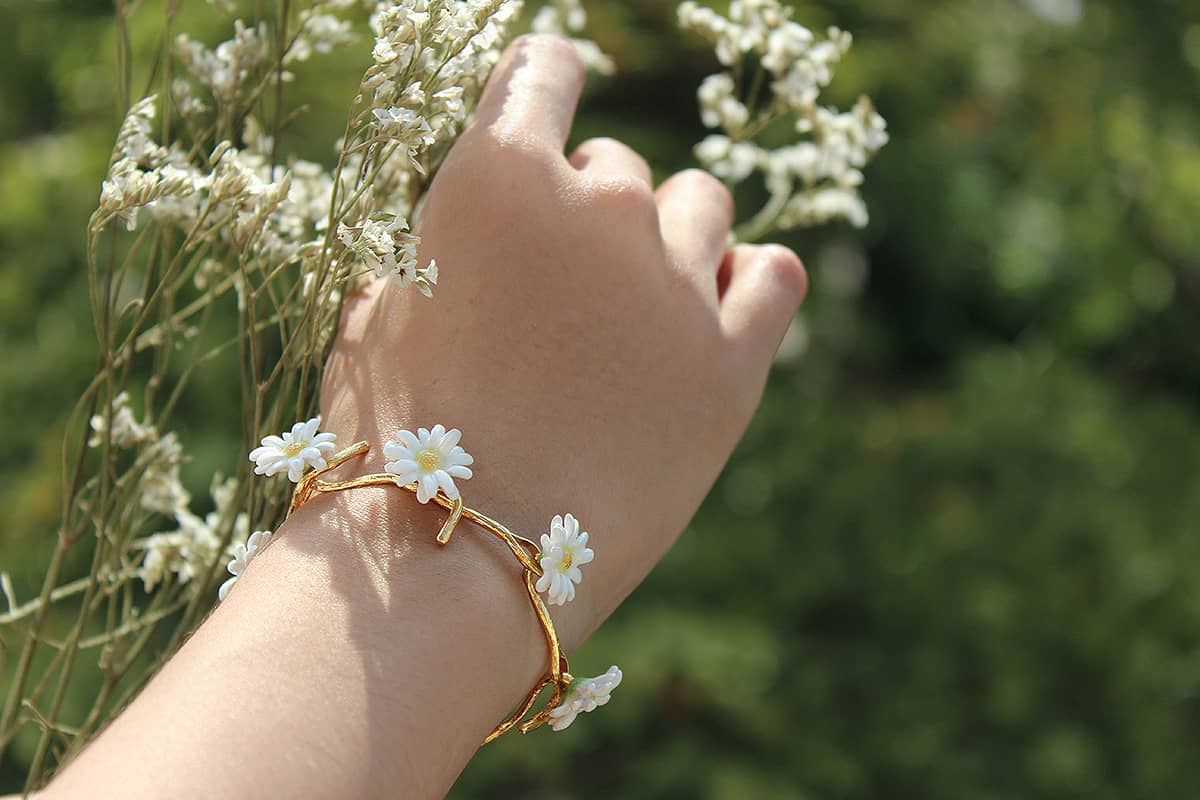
(603, 143)
(627, 194)
(700, 182)
(552, 47)
(786, 269)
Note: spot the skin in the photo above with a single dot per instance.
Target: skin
(603, 353)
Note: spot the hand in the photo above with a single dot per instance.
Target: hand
(597, 344)
(601, 351)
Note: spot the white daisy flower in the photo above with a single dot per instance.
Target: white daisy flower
(430, 458)
(586, 695)
(293, 451)
(242, 554)
(564, 551)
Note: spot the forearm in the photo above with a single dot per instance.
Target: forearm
(357, 658)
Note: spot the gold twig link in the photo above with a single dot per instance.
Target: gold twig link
(524, 550)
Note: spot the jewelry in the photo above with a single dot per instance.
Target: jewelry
(427, 463)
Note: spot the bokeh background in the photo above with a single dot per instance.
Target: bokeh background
(958, 553)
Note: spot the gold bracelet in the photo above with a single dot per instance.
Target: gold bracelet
(426, 464)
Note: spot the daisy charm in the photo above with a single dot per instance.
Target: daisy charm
(293, 451)
(586, 696)
(242, 554)
(432, 459)
(564, 551)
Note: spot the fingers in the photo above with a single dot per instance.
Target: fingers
(764, 285)
(695, 213)
(533, 90)
(609, 158)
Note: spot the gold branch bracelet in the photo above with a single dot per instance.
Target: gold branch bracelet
(586, 696)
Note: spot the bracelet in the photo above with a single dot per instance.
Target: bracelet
(427, 463)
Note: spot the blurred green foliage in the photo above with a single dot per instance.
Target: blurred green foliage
(957, 555)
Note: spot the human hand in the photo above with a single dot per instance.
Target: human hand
(602, 352)
(594, 339)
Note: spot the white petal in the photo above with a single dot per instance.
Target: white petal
(451, 439)
(459, 471)
(260, 452)
(225, 587)
(563, 722)
(403, 475)
(295, 469)
(435, 435)
(447, 483)
(404, 464)
(426, 487)
(396, 451)
(409, 440)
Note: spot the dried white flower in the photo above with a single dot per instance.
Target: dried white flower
(564, 551)
(126, 430)
(186, 551)
(809, 182)
(318, 32)
(729, 160)
(566, 17)
(294, 451)
(440, 53)
(719, 107)
(225, 69)
(242, 555)
(386, 246)
(430, 458)
(160, 488)
(586, 696)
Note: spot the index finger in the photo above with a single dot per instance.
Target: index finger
(534, 89)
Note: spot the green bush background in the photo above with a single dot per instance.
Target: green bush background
(957, 554)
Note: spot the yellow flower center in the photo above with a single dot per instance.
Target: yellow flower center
(292, 449)
(428, 459)
(567, 560)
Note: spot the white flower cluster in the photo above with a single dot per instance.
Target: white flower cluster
(813, 181)
(430, 57)
(195, 543)
(586, 696)
(319, 32)
(386, 246)
(225, 69)
(566, 18)
(140, 171)
(159, 488)
(158, 458)
(273, 214)
(126, 431)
